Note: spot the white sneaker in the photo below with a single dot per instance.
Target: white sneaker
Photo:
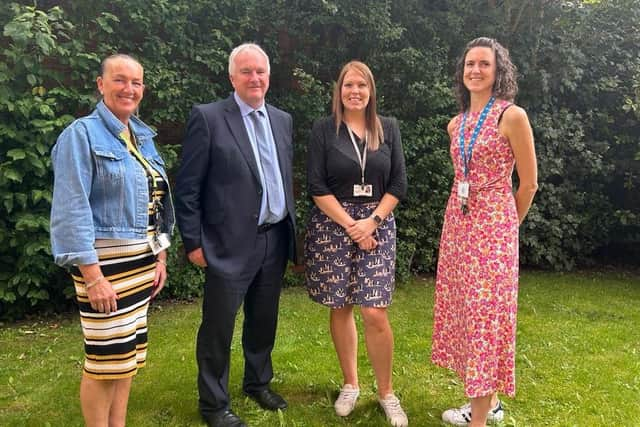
(394, 412)
(462, 416)
(346, 400)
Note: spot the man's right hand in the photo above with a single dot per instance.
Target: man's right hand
(196, 256)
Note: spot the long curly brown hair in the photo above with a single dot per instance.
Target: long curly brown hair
(505, 87)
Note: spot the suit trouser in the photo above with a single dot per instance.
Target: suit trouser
(259, 290)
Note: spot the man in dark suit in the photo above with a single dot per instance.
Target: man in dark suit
(235, 209)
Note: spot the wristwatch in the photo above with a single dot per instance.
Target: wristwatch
(376, 219)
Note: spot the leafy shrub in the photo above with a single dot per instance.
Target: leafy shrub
(35, 104)
(579, 73)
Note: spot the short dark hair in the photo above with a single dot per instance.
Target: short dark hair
(505, 87)
(105, 61)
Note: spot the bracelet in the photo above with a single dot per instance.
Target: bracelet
(94, 282)
(161, 261)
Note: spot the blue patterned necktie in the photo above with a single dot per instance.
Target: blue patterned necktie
(270, 170)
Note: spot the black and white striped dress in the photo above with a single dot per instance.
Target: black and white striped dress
(116, 343)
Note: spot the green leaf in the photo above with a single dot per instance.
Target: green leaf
(19, 31)
(36, 195)
(46, 110)
(37, 163)
(9, 296)
(12, 175)
(23, 288)
(31, 79)
(45, 42)
(16, 154)
(8, 204)
(21, 199)
(41, 148)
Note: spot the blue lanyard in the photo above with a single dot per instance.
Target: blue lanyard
(466, 158)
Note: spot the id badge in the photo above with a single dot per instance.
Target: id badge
(463, 190)
(158, 242)
(362, 190)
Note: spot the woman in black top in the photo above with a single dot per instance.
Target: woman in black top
(356, 176)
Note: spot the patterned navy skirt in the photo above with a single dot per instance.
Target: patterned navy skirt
(338, 272)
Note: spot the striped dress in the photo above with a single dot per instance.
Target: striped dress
(116, 343)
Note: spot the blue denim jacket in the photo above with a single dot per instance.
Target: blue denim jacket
(100, 191)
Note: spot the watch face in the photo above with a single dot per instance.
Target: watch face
(377, 219)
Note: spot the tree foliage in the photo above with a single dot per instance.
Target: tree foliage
(579, 72)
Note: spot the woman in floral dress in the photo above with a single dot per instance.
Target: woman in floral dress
(477, 278)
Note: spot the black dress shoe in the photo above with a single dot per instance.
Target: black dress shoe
(268, 399)
(224, 418)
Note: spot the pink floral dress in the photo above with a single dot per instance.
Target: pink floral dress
(474, 330)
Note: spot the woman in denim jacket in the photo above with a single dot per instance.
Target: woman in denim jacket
(111, 218)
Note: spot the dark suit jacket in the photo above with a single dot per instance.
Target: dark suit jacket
(218, 189)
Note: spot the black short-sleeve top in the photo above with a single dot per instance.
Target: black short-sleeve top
(333, 166)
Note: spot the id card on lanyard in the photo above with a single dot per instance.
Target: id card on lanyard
(157, 241)
(463, 187)
(362, 189)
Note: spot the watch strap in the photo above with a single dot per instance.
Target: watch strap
(376, 219)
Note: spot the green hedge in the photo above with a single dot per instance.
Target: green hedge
(580, 83)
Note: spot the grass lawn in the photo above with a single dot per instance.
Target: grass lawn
(578, 362)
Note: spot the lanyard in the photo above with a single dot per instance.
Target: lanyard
(151, 172)
(133, 148)
(362, 157)
(466, 158)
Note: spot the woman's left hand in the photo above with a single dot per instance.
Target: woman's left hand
(368, 244)
(362, 229)
(161, 274)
